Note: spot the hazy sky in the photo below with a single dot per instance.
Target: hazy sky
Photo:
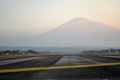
(30, 17)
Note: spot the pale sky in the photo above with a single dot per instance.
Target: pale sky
(31, 17)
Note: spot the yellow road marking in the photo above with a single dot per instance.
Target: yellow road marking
(58, 67)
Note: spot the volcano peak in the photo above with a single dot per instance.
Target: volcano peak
(80, 19)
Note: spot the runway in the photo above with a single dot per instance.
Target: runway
(64, 67)
(6, 62)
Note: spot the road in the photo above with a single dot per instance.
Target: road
(111, 72)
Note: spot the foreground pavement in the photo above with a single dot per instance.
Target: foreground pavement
(109, 72)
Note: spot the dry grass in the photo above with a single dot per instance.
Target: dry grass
(10, 56)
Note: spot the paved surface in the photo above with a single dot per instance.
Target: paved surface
(73, 60)
(104, 72)
(5, 62)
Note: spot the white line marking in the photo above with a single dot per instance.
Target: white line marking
(72, 60)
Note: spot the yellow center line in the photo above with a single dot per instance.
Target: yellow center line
(58, 67)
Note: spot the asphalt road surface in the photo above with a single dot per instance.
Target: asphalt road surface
(111, 72)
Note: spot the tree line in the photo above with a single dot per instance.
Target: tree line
(7, 52)
(103, 51)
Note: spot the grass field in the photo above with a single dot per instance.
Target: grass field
(11, 56)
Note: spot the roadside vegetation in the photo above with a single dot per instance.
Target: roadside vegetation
(20, 54)
(32, 53)
(108, 52)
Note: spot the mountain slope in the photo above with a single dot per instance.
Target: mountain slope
(80, 32)
(77, 32)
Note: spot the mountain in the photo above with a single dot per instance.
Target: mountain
(74, 33)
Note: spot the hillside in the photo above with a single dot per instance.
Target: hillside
(76, 32)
